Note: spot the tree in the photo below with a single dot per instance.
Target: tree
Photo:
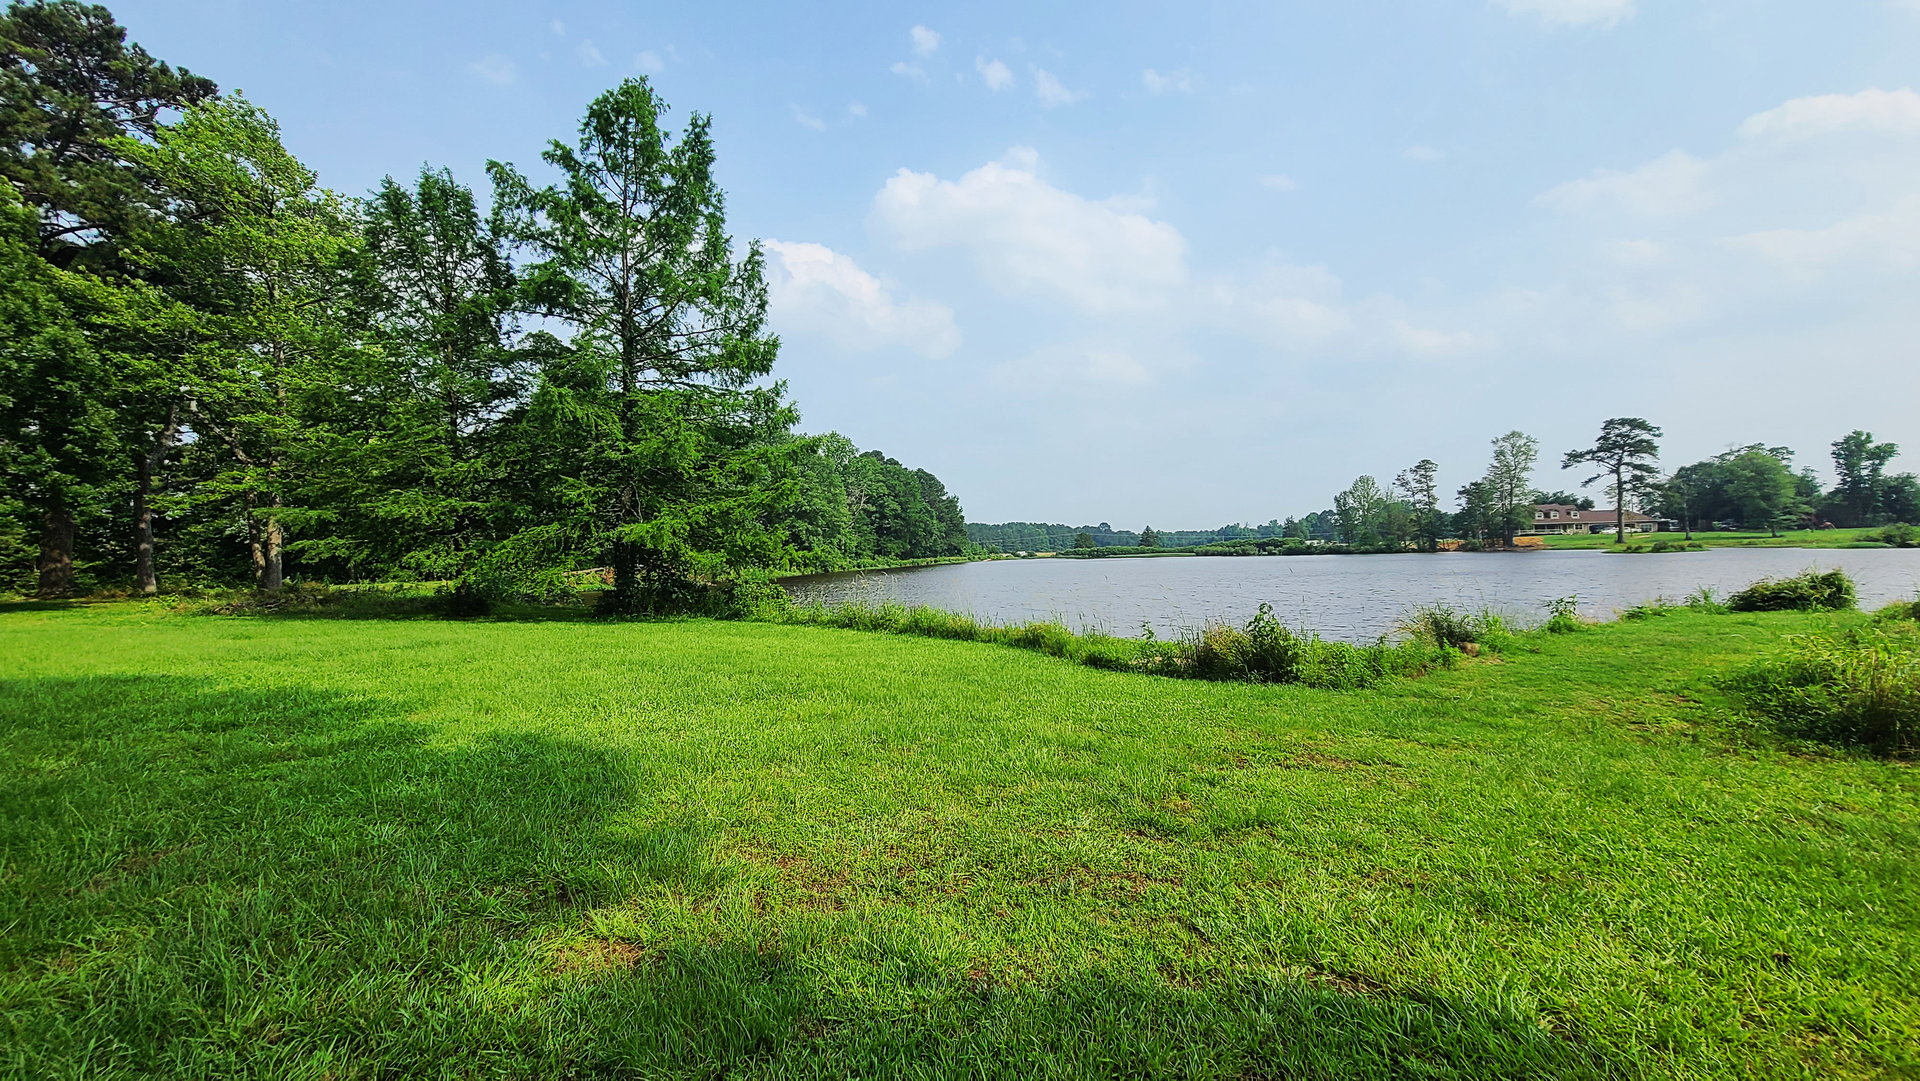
(1479, 511)
(1148, 538)
(1417, 486)
(57, 438)
(1510, 480)
(70, 89)
(1565, 498)
(1764, 488)
(1361, 511)
(1625, 451)
(1082, 541)
(1861, 465)
(657, 412)
(261, 258)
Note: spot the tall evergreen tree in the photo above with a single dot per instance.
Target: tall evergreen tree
(1510, 479)
(264, 260)
(71, 89)
(667, 436)
(1625, 451)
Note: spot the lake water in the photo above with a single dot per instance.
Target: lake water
(1354, 598)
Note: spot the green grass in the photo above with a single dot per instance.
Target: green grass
(1788, 538)
(276, 846)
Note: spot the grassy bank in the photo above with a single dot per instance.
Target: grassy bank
(281, 846)
(1793, 538)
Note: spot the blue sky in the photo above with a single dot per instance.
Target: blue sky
(1182, 264)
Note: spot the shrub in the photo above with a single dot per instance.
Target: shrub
(1899, 535)
(1441, 625)
(1562, 617)
(1899, 610)
(1659, 606)
(1859, 687)
(1808, 591)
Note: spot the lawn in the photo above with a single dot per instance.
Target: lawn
(342, 848)
(1789, 538)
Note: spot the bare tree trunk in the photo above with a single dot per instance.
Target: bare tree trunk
(149, 464)
(56, 555)
(271, 575)
(257, 555)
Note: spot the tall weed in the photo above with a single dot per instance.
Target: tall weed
(1857, 687)
(1808, 591)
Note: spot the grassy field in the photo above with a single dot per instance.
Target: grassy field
(341, 848)
(1791, 538)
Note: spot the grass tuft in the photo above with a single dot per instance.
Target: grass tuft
(1856, 687)
(1809, 591)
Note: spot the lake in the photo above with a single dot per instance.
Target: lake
(1353, 598)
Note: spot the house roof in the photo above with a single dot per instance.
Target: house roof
(1606, 514)
(1563, 508)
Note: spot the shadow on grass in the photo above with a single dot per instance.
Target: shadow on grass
(736, 1009)
(203, 881)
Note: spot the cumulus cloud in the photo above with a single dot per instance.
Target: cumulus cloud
(924, 40)
(816, 290)
(1556, 13)
(854, 108)
(1173, 82)
(1026, 235)
(1896, 112)
(589, 55)
(911, 71)
(1670, 185)
(1278, 182)
(807, 121)
(1051, 91)
(495, 69)
(1424, 153)
(559, 28)
(996, 75)
(649, 62)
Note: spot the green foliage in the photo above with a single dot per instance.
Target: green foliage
(1859, 686)
(1808, 591)
(1899, 535)
(1625, 452)
(1563, 615)
(1148, 538)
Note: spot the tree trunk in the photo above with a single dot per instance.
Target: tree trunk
(56, 555)
(271, 575)
(148, 465)
(256, 554)
(626, 598)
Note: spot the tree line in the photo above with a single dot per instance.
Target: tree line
(214, 369)
(1751, 487)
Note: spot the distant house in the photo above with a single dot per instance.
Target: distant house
(1556, 518)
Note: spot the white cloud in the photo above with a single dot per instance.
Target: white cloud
(1634, 253)
(911, 71)
(495, 69)
(996, 74)
(559, 28)
(1278, 182)
(1670, 185)
(589, 55)
(1172, 82)
(854, 108)
(1424, 153)
(1896, 112)
(1555, 13)
(1891, 239)
(649, 62)
(817, 290)
(924, 40)
(1026, 235)
(807, 121)
(1052, 91)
